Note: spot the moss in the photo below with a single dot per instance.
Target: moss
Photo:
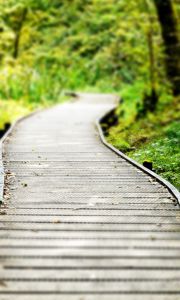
(154, 138)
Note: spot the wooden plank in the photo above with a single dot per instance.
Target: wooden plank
(90, 275)
(91, 219)
(137, 263)
(93, 211)
(91, 234)
(96, 243)
(59, 296)
(92, 287)
(96, 253)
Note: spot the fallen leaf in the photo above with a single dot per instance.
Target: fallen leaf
(56, 221)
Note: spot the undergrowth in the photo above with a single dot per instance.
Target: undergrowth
(154, 137)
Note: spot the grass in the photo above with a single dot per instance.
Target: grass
(10, 111)
(163, 151)
(154, 137)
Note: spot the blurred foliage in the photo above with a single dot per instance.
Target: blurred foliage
(73, 44)
(49, 46)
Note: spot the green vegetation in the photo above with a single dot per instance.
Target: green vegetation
(50, 46)
(163, 151)
(154, 138)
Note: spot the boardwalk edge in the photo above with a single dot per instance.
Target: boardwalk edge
(172, 189)
(6, 135)
(2, 140)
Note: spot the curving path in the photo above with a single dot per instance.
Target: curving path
(79, 222)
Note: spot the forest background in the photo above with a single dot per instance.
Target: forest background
(50, 46)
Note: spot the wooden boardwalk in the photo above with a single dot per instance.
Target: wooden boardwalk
(81, 222)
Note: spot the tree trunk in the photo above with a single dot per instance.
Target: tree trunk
(169, 30)
(153, 99)
(18, 34)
